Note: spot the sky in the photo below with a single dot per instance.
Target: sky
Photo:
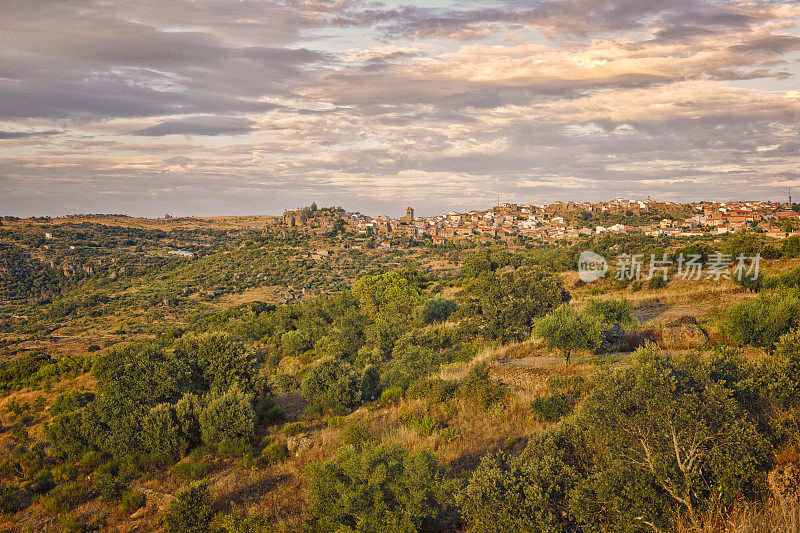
(234, 107)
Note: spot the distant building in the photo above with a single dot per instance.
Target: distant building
(182, 253)
(409, 218)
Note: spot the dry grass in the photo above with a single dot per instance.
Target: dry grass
(701, 299)
(781, 515)
(474, 431)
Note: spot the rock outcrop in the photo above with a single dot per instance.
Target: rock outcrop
(683, 334)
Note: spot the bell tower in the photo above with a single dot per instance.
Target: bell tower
(409, 218)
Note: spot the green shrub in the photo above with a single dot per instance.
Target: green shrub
(656, 282)
(42, 482)
(161, 432)
(285, 383)
(70, 401)
(750, 282)
(132, 500)
(218, 359)
(611, 310)
(296, 342)
(8, 497)
(379, 488)
(110, 486)
(23, 370)
(436, 390)
(294, 428)
(235, 447)
(664, 440)
(357, 435)
(507, 302)
(745, 243)
(187, 412)
(63, 308)
(480, 389)
(636, 418)
(274, 453)
(779, 376)
(267, 410)
(391, 395)
(424, 425)
(761, 321)
(370, 383)
(529, 493)
(567, 330)
(192, 511)
(332, 383)
(130, 380)
(790, 279)
(62, 497)
(65, 434)
(229, 416)
(551, 408)
(436, 310)
(191, 469)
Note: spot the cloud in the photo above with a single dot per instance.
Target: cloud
(87, 60)
(772, 45)
(212, 107)
(210, 125)
(26, 134)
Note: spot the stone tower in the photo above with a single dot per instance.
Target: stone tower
(409, 218)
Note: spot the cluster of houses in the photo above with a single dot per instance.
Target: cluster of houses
(571, 220)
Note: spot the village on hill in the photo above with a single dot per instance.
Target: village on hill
(565, 221)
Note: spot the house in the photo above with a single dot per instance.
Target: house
(182, 253)
(715, 219)
(385, 245)
(776, 233)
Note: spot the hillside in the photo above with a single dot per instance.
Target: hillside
(276, 379)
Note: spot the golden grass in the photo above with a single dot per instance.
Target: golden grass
(780, 515)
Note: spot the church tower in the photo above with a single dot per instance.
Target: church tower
(409, 218)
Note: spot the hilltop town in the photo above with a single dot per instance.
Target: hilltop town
(563, 221)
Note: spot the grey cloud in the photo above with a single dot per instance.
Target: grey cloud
(444, 131)
(574, 17)
(772, 45)
(199, 126)
(97, 60)
(26, 134)
(179, 161)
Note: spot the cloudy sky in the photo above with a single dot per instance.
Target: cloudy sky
(208, 107)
